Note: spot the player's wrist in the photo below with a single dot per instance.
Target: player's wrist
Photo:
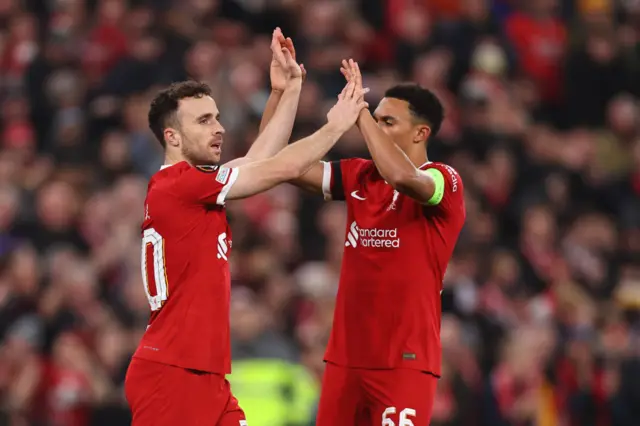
(293, 84)
(334, 129)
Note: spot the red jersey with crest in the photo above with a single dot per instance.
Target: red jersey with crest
(396, 252)
(186, 242)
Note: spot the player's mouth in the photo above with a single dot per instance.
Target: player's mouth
(216, 145)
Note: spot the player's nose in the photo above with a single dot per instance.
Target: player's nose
(218, 130)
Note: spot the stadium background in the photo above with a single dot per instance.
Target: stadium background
(541, 298)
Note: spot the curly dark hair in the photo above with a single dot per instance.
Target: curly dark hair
(423, 103)
(165, 104)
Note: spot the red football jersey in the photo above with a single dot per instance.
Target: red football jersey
(186, 242)
(396, 252)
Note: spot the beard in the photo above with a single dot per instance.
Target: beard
(197, 158)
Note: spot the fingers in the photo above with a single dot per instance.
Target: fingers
(289, 45)
(358, 75)
(361, 92)
(362, 105)
(345, 73)
(351, 89)
(287, 54)
(304, 71)
(346, 70)
(276, 48)
(344, 92)
(278, 35)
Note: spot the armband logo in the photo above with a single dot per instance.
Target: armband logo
(223, 174)
(207, 169)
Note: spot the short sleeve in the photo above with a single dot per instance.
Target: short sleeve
(451, 200)
(338, 177)
(206, 184)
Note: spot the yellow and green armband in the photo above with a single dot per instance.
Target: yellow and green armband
(438, 193)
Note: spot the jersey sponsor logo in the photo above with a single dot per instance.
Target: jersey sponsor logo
(223, 174)
(223, 248)
(454, 177)
(355, 195)
(372, 237)
(207, 169)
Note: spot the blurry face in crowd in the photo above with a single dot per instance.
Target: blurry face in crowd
(198, 134)
(395, 119)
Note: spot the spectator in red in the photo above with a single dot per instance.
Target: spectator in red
(540, 41)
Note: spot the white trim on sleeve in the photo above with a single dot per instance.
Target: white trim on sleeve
(225, 189)
(326, 180)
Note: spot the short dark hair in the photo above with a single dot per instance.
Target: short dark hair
(165, 104)
(423, 103)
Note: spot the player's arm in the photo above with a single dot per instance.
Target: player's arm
(296, 159)
(281, 107)
(396, 168)
(278, 79)
(289, 164)
(312, 180)
(427, 187)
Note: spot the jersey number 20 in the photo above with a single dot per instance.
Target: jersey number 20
(154, 272)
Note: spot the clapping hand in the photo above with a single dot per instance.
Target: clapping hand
(283, 63)
(351, 101)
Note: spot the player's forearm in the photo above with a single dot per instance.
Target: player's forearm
(270, 108)
(393, 164)
(312, 180)
(277, 130)
(301, 156)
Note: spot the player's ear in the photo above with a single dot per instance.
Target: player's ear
(172, 137)
(422, 133)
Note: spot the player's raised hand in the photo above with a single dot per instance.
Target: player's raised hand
(282, 67)
(345, 112)
(351, 72)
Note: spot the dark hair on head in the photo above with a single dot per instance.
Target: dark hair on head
(423, 103)
(165, 104)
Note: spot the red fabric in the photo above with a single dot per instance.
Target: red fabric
(540, 46)
(186, 224)
(388, 307)
(17, 56)
(106, 45)
(507, 390)
(165, 395)
(18, 135)
(67, 396)
(344, 390)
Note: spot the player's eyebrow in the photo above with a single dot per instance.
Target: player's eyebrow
(204, 117)
(386, 118)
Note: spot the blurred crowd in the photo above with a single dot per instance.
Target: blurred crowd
(540, 324)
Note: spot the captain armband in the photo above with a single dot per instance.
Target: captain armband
(440, 185)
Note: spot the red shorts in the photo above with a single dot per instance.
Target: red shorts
(359, 397)
(164, 395)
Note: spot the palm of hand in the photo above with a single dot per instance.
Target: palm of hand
(278, 76)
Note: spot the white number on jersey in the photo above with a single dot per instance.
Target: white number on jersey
(403, 418)
(154, 273)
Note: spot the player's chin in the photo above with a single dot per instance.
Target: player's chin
(215, 159)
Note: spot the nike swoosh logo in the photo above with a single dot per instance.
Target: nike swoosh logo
(355, 195)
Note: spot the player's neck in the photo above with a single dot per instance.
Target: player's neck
(171, 158)
(418, 157)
